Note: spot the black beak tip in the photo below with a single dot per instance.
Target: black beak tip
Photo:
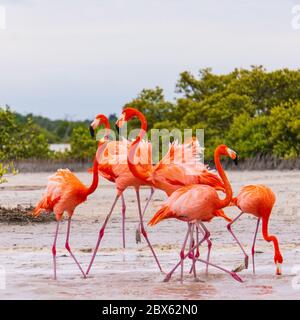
(92, 132)
(236, 160)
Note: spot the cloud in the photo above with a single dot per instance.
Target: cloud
(74, 57)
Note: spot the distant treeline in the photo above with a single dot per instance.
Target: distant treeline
(55, 131)
(254, 111)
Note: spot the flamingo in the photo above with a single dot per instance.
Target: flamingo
(196, 204)
(257, 200)
(113, 163)
(105, 169)
(63, 194)
(167, 175)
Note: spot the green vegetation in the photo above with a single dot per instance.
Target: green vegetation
(55, 131)
(21, 141)
(6, 169)
(254, 111)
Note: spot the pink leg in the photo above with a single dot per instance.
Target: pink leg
(101, 234)
(54, 249)
(144, 233)
(192, 243)
(69, 248)
(209, 244)
(182, 251)
(193, 267)
(138, 232)
(236, 239)
(233, 274)
(184, 256)
(123, 219)
(253, 245)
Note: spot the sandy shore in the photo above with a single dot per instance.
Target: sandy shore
(26, 262)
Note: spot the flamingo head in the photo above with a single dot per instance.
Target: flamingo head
(127, 114)
(99, 119)
(225, 151)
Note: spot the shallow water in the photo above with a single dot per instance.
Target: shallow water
(131, 273)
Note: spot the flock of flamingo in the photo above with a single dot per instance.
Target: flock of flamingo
(191, 188)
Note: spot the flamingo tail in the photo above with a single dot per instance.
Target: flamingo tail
(163, 213)
(44, 205)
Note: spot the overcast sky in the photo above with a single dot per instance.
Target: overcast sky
(77, 58)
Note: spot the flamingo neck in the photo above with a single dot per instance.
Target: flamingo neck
(95, 181)
(132, 150)
(143, 121)
(228, 191)
(267, 237)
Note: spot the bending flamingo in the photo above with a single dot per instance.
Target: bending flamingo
(196, 204)
(64, 193)
(115, 166)
(257, 200)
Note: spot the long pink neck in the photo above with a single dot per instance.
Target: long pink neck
(95, 181)
(228, 191)
(130, 158)
(102, 146)
(267, 237)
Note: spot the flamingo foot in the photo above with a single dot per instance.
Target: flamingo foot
(246, 262)
(236, 277)
(167, 278)
(242, 266)
(138, 236)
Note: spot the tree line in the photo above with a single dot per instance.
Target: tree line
(254, 111)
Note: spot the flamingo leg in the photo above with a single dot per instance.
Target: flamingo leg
(138, 229)
(209, 244)
(238, 242)
(253, 245)
(144, 233)
(192, 243)
(67, 245)
(54, 249)
(193, 267)
(101, 233)
(184, 256)
(233, 274)
(123, 219)
(182, 251)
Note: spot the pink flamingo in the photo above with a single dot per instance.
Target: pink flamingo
(113, 163)
(112, 150)
(196, 204)
(64, 193)
(257, 200)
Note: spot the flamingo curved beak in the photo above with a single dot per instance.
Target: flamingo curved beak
(236, 160)
(92, 131)
(233, 155)
(118, 129)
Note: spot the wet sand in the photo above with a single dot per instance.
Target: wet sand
(131, 273)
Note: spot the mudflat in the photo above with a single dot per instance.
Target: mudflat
(26, 269)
